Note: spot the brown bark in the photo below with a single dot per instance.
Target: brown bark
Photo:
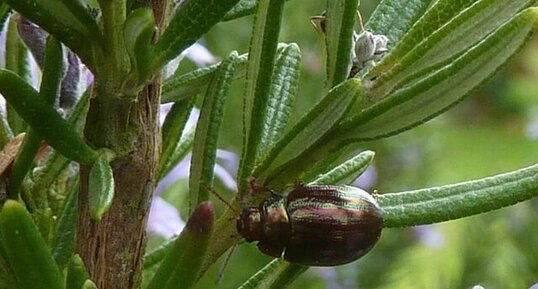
(112, 249)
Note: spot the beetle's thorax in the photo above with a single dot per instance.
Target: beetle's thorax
(268, 224)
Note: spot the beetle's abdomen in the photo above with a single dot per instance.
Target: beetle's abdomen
(331, 225)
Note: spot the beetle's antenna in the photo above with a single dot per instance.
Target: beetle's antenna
(211, 190)
(220, 276)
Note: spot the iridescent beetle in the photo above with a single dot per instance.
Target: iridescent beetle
(315, 225)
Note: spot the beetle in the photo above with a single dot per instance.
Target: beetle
(314, 225)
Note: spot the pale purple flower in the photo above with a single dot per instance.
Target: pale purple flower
(330, 276)
(430, 235)
(367, 179)
(162, 220)
(181, 171)
(531, 129)
(535, 286)
(160, 213)
(200, 55)
(166, 222)
(197, 53)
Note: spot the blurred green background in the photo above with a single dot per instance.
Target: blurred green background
(494, 131)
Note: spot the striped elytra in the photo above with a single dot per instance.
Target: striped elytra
(315, 225)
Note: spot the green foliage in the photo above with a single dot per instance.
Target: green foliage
(49, 90)
(261, 60)
(191, 21)
(277, 274)
(68, 20)
(76, 273)
(101, 185)
(242, 8)
(204, 151)
(180, 267)
(467, 198)
(340, 20)
(25, 250)
(308, 131)
(348, 171)
(394, 18)
(284, 87)
(172, 128)
(138, 32)
(63, 243)
(44, 119)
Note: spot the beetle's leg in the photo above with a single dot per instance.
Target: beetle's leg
(255, 187)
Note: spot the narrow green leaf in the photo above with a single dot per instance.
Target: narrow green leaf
(172, 129)
(310, 129)
(199, 229)
(346, 172)
(207, 132)
(188, 85)
(77, 117)
(341, 15)
(7, 278)
(71, 23)
(263, 45)
(4, 13)
(469, 27)
(63, 242)
(79, 10)
(440, 13)
(439, 204)
(47, 173)
(181, 150)
(23, 162)
(393, 18)
(16, 56)
(52, 70)
(139, 29)
(26, 251)
(191, 21)
(180, 267)
(44, 119)
(49, 90)
(223, 238)
(77, 273)
(89, 285)
(282, 96)
(242, 8)
(428, 97)
(278, 274)
(5, 131)
(156, 256)
(100, 186)
(320, 166)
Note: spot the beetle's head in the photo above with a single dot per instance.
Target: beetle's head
(249, 224)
